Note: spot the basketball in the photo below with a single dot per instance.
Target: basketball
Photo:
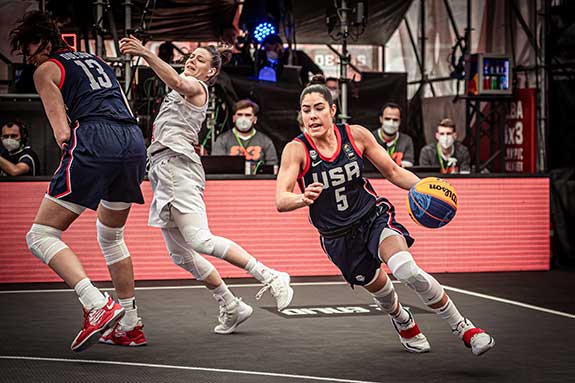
(432, 202)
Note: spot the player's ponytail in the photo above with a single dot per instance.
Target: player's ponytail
(225, 52)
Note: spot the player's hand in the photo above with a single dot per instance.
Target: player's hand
(62, 140)
(311, 193)
(131, 45)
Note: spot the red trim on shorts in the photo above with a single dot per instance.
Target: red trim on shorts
(367, 189)
(307, 159)
(357, 151)
(334, 156)
(62, 72)
(389, 213)
(68, 183)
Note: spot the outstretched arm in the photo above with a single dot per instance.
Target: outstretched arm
(397, 175)
(46, 78)
(293, 160)
(187, 86)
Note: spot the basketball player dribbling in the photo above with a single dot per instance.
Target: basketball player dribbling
(103, 163)
(357, 228)
(178, 181)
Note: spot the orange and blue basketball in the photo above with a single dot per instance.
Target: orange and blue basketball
(432, 202)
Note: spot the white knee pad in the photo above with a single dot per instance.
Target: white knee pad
(404, 268)
(111, 240)
(184, 257)
(203, 241)
(45, 242)
(386, 298)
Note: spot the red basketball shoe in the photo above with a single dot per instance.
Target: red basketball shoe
(96, 321)
(122, 337)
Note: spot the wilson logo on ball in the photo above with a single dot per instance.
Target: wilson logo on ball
(432, 202)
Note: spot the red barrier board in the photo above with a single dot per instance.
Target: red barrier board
(502, 224)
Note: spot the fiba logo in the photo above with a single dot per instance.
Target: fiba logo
(349, 152)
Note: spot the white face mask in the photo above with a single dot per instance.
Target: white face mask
(446, 141)
(272, 55)
(390, 127)
(334, 94)
(10, 144)
(243, 124)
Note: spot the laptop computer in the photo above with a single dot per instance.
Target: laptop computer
(224, 164)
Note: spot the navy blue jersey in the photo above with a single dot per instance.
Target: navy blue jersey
(346, 195)
(90, 89)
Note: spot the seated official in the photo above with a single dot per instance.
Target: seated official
(17, 159)
(274, 57)
(448, 154)
(244, 140)
(399, 146)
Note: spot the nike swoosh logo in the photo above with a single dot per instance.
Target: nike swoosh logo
(315, 163)
(110, 305)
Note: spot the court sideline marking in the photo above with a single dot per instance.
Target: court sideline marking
(189, 368)
(508, 301)
(457, 290)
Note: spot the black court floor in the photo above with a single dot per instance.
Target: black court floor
(330, 333)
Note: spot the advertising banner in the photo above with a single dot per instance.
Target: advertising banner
(520, 135)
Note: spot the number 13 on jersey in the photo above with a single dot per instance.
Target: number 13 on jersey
(103, 81)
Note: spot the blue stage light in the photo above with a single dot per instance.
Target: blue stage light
(263, 30)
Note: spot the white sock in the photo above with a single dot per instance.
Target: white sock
(130, 319)
(402, 316)
(450, 313)
(258, 270)
(223, 294)
(89, 295)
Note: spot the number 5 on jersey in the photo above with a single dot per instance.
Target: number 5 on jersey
(341, 199)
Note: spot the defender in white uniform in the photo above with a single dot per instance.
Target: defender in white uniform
(178, 182)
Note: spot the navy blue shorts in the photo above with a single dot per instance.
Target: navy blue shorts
(356, 252)
(104, 160)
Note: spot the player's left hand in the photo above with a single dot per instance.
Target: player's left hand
(131, 45)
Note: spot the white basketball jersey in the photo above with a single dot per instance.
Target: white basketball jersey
(178, 124)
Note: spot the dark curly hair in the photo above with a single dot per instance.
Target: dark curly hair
(36, 27)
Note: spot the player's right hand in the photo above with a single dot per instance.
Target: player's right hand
(311, 193)
(131, 45)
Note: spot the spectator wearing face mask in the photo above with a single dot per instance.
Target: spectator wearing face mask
(399, 146)
(448, 154)
(244, 140)
(17, 158)
(332, 84)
